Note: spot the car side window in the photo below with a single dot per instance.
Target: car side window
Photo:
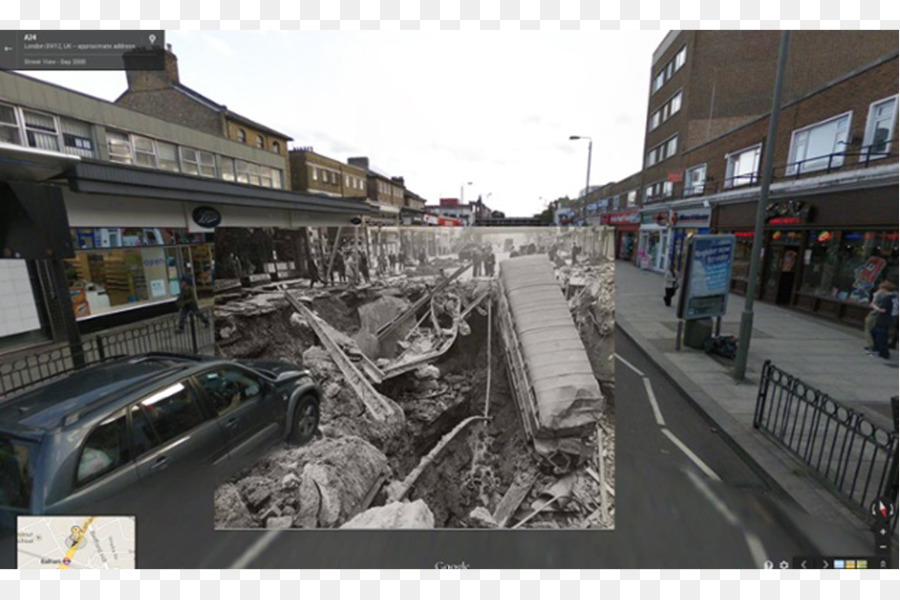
(143, 438)
(105, 449)
(229, 388)
(172, 412)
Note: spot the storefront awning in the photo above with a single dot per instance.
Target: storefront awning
(93, 178)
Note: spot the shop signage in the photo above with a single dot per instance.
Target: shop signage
(788, 212)
(623, 218)
(691, 218)
(866, 275)
(662, 218)
(707, 277)
(674, 177)
(206, 217)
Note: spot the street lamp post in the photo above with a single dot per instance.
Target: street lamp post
(587, 181)
(743, 345)
(462, 191)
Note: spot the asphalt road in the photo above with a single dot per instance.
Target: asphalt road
(684, 499)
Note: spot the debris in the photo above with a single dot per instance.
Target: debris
(481, 517)
(514, 497)
(539, 510)
(279, 523)
(398, 492)
(561, 489)
(396, 515)
(427, 372)
(230, 510)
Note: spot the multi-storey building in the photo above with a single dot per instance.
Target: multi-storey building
(384, 192)
(317, 174)
(161, 94)
(831, 223)
(139, 196)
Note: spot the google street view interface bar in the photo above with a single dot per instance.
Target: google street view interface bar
(220, 345)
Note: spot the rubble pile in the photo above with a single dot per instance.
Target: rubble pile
(486, 474)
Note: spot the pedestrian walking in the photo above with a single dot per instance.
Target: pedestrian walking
(869, 323)
(489, 261)
(885, 308)
(340, 267)
(671, 284)
(352, 267)
(187, 302)
(477, 261)
(312, 271)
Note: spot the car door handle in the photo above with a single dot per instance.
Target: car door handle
(160, 463)
(232, 422)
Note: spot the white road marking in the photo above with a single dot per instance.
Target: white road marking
(255, 550)
(629, 365)
(694, 458)
(754, 544)
(653, 404)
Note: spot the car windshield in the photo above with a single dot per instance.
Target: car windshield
(15, 474)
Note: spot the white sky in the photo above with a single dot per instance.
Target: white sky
(437, 108)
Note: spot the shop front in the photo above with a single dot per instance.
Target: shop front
(627, 229)
(821, 254)
(653, 243)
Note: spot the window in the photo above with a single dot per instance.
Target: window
(742, 167)
(654, 120)
(242, 170)
(144, 151)
(879, 128)
(9, 126)
(242, 136)
(680, 58)
(835, 261)
(40, 130)
(265, 176)
(657, 190)
(663, 151)
(694, 180)
(226, 168)
(197, 162)
(227, 389)
(632, 198)
(276, 147)
(106, 449)
(77, 138)
(315, 173)
(166, 156)
(119, 145)
(172, 412)
(659, 81)
(675, 103)
(819, 146)
(276, 178)
(671, 147)
(260, 142)
(347, 181)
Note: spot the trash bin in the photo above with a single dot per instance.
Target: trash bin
(696, 333)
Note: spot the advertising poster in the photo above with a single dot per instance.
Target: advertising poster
(707, 278)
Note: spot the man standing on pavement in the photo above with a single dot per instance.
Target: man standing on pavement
(364, 267)
(884, 306)
(671, 283)
(476, 261)
(187, 302)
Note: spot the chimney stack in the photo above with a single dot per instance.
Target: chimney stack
(140, 80)
(359, 161)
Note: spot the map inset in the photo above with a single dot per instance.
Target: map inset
(72, 542)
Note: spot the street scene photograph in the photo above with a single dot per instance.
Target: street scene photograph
(464, 376)
(268, 297)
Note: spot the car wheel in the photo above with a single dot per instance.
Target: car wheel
(305, 421)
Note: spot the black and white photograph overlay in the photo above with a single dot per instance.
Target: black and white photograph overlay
(417, 377)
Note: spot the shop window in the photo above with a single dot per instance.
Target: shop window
(106, 449)
(40, 130)
(119, 146)
(695, 180)
(144, 151)
(77, 138)
(879, 129)
(742, 167)
(9, 126)
(848, 265)
(819, 146)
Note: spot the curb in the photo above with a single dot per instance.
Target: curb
(801, 494)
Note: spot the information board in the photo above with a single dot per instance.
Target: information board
(707, 277)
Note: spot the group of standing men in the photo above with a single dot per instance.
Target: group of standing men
(483, 261)
(350, 264)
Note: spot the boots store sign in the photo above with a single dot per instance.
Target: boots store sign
(206, 217)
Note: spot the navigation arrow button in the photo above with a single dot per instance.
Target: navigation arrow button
(825, 564)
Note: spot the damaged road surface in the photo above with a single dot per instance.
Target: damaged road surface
(425, 418)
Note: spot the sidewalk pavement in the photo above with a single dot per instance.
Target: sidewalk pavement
(823, 354)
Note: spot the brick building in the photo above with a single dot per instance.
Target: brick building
(832, 220)
(161, 94)
(318, 174)
(382, 191)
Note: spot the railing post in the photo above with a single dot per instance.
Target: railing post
(194, 346)
(762, 394)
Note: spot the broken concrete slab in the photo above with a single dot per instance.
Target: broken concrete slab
(396, 515)
(279, 523)
(481, 517)
(230, 510)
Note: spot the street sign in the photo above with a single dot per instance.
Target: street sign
(707, 277)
